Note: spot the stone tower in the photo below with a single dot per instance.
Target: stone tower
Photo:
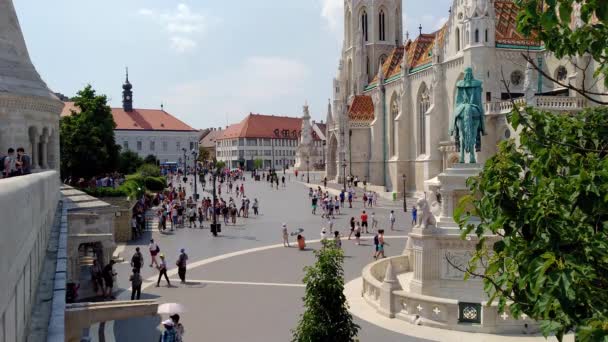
(29, 111)
(372, 29)
(127, 94)
(305, 144)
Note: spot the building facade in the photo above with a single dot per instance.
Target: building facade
(393, 101)
(310, 154)
(149, 131)
(271, 139)
(209, 140)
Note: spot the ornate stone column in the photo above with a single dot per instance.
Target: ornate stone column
(34, 155)
(44, 139)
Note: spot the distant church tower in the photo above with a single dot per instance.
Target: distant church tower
(127, 95)
(372, 29)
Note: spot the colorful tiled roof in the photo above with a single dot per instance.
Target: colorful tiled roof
(362, 108)
(264, 126)
(139, 119)
(506, 25)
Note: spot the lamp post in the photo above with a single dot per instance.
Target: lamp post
(195, 159)
(344, 174)
(214, 226)
(307, 169)
(404, 202)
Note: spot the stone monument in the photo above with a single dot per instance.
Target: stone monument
(303, 152)
(431, 289)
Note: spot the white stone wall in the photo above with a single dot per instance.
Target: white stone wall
(27, 208)
(174, 141)
(275, 153)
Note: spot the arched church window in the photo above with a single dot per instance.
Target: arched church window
(424, 103)
(394, 133)
(561, 73)
(457, 36)
(516, 77)
(486, 35)
(476, 36)
(364, 24)
(381, 33)
(347, 26)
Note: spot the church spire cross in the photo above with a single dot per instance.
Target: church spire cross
(127, 74)
(420, 29)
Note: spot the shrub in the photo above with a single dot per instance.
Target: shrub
(149, 170)
(155, 183)
(105, 192)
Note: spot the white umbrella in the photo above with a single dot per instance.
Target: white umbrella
(171, 308)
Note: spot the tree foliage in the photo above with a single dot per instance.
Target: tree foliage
(326, 317)
(149, 170)
(203, 154)
(551, 22)
(87, 138)
(258, 164)
(151, 159)
(548, 200)
(128, 162)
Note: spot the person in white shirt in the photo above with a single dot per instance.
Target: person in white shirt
(154, 249)
(323, 234)
(391, 219)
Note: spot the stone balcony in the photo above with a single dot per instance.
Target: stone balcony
(552, 103)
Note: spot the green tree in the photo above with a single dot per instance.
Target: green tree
(551, 22)
(151, 159)
(326, 317)
(258, 164)
(87, 138)
(546, 198)
(149, 170)
(203, 154)
(128, 162)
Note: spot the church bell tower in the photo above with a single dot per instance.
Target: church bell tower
(127, 94)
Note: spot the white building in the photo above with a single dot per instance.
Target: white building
(149, 131)
(272, 139)
(393, 101)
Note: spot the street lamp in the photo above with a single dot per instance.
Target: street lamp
(344, 174)
(307, 169)
(185, 163)
(404, 202)
(195, 159)
(215, 227)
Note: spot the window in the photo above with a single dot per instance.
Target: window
(364, 24)
(178, 146)
(394, 133)
(165, 146)
(516, 77)
(476, 36)
(486, 35)
(561, 73)
(192, 143)
(381, 32)
(152, 145)
(139, 145)
(125, 145)
(457, 34)
(424, 102)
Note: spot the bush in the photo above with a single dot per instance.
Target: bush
(149, 170)
(128, 162)
(132, 188)
(155, 183)
(105, 192)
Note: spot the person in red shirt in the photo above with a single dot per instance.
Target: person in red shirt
(364, 221)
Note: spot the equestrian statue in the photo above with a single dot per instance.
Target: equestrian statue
(468, 121)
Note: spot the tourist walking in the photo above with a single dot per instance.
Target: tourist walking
(364, 221)
(337, 240)
(162, 270)
(358, 233)
(169, 335)
(96, 277)
(380, 246)
(181, 265)
(414, 215)
(154, 249)
(391, 219)
(285, 235)
(108, 278)
(374, 222)
(179, 328)
(314, 204)
(255, 206)
(201, 217)
(136, 282)
(137, 260)
(350, 199)
(352, 227)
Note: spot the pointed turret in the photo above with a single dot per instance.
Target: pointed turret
(17, 73)
(329, 119)
(127, 94)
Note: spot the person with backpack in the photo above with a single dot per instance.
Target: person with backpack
(136, 282)
(154, 250)
(181, 265)
(376, 243)
(162, 270)
(137, 260)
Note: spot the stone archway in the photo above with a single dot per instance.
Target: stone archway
(332, 157)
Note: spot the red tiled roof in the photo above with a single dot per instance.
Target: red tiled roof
(264, 126)
(139, 119)
(506, 25)
(362, 108)
(211, 137)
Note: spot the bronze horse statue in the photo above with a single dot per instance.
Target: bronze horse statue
(468, 121)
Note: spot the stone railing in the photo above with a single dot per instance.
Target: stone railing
(559, 102)
(555, 103)
(378, 284)
(28, 206)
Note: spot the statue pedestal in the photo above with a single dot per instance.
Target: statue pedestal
(452, 186)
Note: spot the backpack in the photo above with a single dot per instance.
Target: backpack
(157, 249)
(376, 240)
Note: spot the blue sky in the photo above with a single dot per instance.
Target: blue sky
(209, 62)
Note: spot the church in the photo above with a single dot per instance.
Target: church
(392, 101)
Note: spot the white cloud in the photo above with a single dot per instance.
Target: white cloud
(182, 24)
(333, 11)
(257, 84)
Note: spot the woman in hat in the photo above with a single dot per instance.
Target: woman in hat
(170, 334)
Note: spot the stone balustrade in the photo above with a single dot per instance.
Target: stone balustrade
(553, 103)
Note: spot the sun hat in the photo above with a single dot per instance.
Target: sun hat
(168, 323)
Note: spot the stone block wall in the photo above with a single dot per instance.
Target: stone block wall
(27, 208)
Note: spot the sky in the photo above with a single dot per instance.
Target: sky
(210, 63)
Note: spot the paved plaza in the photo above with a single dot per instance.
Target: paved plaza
(243, 284)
